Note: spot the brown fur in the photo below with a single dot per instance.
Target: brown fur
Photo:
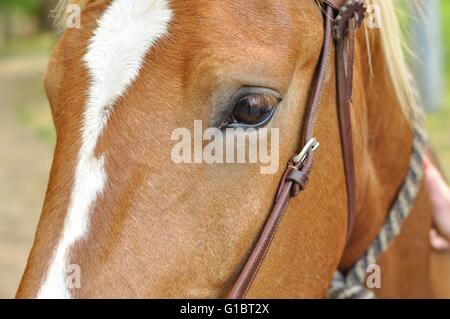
(166, 230)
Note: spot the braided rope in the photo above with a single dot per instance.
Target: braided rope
(352, 286)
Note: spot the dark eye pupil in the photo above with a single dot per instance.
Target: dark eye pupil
(248, 113)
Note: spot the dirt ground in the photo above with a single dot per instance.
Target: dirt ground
(25, 159)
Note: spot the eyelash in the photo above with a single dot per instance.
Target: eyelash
(267, 101)
(264, 104)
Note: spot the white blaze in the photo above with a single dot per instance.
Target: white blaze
(126, 32)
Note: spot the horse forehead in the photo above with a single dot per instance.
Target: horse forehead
(252, 32)
(253, 19)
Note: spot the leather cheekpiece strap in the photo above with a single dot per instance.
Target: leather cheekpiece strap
(347, 21)
(299, 180)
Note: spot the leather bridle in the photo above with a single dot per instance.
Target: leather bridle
(342, 18)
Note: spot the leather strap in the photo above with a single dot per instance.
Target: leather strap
(344, 79)
(347, 21)
(296, 175)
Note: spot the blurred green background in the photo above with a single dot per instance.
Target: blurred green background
(27, 136)
(438, 123)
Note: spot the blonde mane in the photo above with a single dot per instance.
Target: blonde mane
(394, 46)
(392, 43)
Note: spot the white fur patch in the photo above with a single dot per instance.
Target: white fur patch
(126, 32)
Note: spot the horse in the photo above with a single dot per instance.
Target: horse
(137, 224)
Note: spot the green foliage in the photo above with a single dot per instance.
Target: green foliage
(26, 6)
(437, 122)
(445, 11)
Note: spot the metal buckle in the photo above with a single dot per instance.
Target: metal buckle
(311, 146)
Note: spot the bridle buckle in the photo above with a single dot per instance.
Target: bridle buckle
(312, 145)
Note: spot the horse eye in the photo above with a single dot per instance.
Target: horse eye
(253, 110)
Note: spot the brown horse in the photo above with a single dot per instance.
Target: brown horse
(139, 225)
